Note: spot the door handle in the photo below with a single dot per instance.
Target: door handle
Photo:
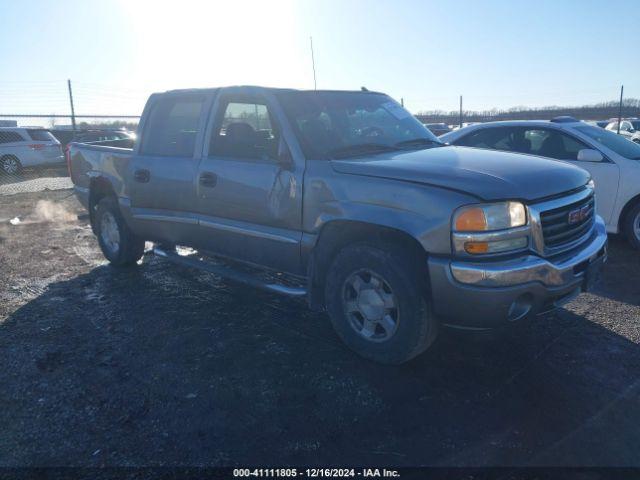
(208, 179)
(142, 176)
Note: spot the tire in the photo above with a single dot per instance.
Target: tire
(118, 243)
(631, 226)
(10, 165)
(362, 277)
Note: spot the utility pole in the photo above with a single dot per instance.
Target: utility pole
(313, 64)
(402, 101)
(460, 111)
(620, 108)
(73, 112)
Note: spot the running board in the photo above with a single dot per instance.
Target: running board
(230, 273)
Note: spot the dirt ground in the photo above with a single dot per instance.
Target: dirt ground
(161, 365)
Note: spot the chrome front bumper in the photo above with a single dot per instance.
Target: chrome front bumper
(532, 268)
(487, 295)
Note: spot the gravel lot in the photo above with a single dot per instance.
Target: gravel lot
(54, 178)
(161, 365)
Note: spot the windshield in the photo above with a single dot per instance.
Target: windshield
(344, 124)
(613, 141)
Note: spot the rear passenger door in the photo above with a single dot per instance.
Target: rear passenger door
(162, 172)
(249, 184)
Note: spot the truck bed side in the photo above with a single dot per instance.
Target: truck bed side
(90, 162)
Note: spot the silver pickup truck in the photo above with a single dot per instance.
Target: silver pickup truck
(354, 203)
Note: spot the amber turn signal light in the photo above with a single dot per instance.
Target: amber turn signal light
(476, 247)
(471, 220)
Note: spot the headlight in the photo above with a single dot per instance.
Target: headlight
(591, 184)
(493, 216)
(490, 228)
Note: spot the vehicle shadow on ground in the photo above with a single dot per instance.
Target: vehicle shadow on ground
(160, 365)
(620, 272)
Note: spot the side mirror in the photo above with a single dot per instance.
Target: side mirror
(590, 155)
(284, 158)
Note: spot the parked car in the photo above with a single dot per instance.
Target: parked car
(629, 128)
(27, 147)
(390, 231)
(66, 136)
(613, 162)
(438, 128)
(597, 123)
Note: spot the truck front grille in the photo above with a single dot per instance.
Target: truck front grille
(566, 224)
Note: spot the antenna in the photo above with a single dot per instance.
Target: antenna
(313, 64)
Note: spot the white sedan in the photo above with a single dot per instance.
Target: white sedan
(613, 161)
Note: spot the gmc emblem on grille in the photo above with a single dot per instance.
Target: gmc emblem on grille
(578, 214)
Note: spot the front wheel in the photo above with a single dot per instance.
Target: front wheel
(377, 300)
(631, 226)
(118, 243)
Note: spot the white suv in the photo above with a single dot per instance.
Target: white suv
(612, 161)
(27, 147)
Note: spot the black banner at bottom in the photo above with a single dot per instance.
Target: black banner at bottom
(404, 473)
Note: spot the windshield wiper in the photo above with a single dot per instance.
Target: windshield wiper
(360, 149)
(418, 142)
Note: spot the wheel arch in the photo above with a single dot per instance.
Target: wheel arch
(337, 234)
(99, 188)
(625, 210)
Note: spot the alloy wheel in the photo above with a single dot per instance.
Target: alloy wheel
(109, 232)
(370, 305)
(10, 165)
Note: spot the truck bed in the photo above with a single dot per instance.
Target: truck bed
(109, 157)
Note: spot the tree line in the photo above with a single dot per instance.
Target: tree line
(598, 111)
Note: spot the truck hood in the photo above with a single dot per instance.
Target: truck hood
(487, 174)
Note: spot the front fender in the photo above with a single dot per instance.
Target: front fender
(421, 211)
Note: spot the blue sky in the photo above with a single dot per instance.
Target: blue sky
(497, 53)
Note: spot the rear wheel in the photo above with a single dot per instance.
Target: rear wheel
(118, 243)
(10, 165)
(377, 300)
(631, 226)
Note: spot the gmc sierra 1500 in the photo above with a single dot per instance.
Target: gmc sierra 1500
(392, 232)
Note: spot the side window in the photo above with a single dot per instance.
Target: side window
(10, 137)
(244, 131)
(172, 127)
(41, 135)
(553, 144)
(493, 138)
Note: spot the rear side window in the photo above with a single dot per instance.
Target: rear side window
(494, 138)
(10, 137)
(172, 126)
(41, 135)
